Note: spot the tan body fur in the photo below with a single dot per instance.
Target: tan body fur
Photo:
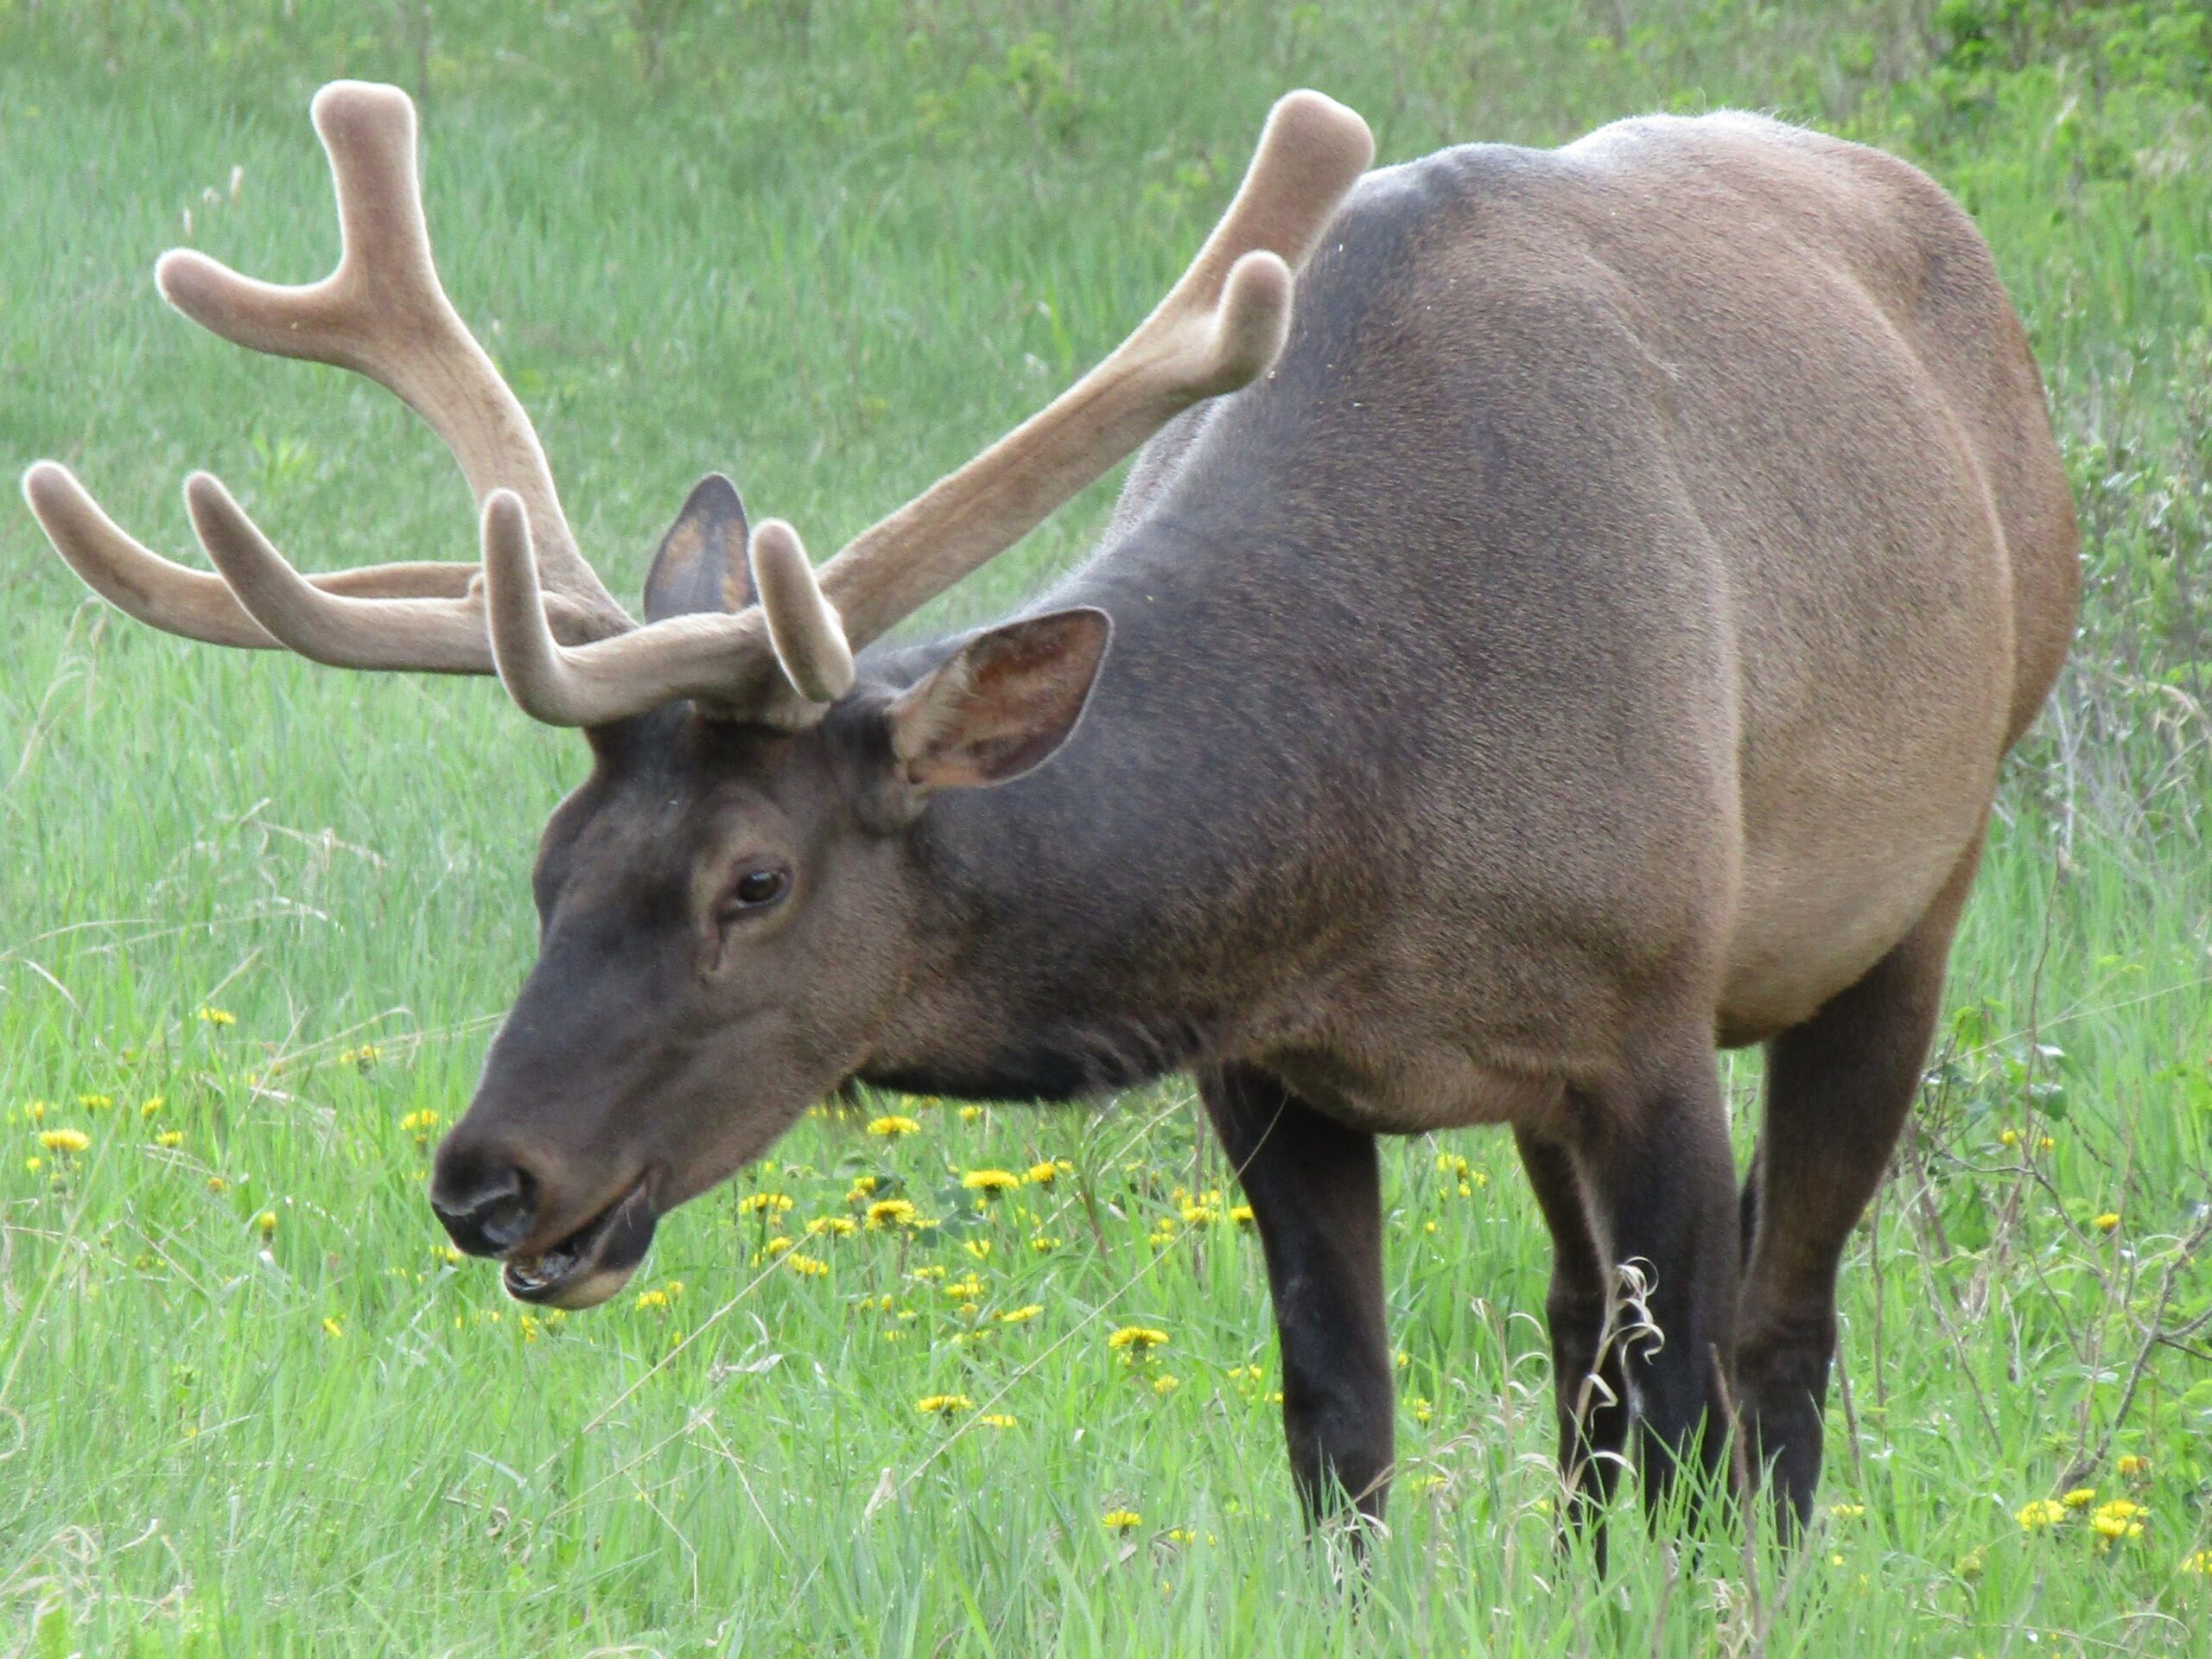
(1836, 581)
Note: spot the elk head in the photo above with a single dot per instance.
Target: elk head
(726, 911)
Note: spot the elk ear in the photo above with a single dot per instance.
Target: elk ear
(702, 565)
(999, 705)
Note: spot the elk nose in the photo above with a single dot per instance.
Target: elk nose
(487, 1201)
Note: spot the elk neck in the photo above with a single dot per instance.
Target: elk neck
(1139, 901)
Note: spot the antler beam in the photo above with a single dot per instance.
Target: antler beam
(1218, 329)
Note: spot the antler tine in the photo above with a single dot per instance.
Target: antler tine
(382, 312)
(804, 626)
(442, 635)
(1219, 327)
(177, 599)
(726, 661)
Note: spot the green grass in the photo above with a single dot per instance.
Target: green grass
(832, 250)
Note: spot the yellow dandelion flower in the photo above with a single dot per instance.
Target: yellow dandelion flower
(34, 1111)
(2112, 1527)
(34, 1165)
(2106, 1222)
(775, 1247)
(965, 1290)
(997, 1420)
(364, 1055)
(2047, 1143)
(755, 1203)
(1421, 1408)
(2039, 1514)
(333, 1326)
(65, 1141)
(2010, 1138)
(863, 1186)
(2119, 1509)
(2132, 1465)
(928, 1275)
(419, 1123)
(216, 1017)
(834, 1226)
(1241, 1215)
(2079, 1496)
(1042, 1174)
(448, 1254)
(937, 1405)
(170, 1138)
(1428, 1226)
(150, 1105)
(1135, 1338)
(978, 1248)
(813, 1266)
(990, 1182)
(1200, 1215)
(1121, 1519)
(1041, 1244)
(893, 1212)
(969, 1113)
(651, 1301)
(1165, 1385)
(96, 1102)
(1020, 1315)
(2199, 1562)
(892, 1126)
(217, 1184)
(1847, 1511)
(266, 1222)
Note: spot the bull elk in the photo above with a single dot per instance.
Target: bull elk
(1567, 614)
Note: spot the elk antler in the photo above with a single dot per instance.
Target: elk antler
(384, 313)
(569, 654)
(1220, 327)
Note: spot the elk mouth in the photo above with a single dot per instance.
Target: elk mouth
(590, 1264)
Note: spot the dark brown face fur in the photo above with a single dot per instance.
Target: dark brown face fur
(719, 937)
(726, 915)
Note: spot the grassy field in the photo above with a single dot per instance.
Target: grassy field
(257, 918)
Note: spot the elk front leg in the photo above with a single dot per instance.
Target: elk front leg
(1316, 1197)
(1653, 1159)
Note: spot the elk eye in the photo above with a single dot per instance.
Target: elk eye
(756, 890)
